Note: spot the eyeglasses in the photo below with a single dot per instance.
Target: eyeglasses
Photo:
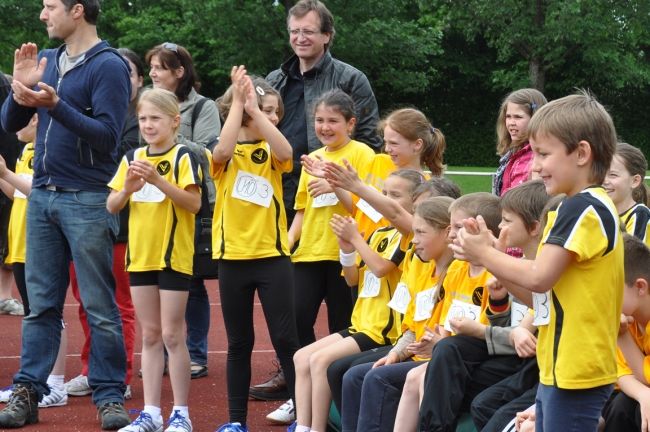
(305, 33)
(171, 46)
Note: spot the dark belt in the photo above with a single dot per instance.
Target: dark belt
(60, 189)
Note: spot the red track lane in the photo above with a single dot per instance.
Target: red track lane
(208, 401)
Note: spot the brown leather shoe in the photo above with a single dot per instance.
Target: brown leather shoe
(274, 389)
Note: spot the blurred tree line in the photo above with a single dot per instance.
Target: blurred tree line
(453, 59)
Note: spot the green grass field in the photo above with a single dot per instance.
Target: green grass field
(470, 183)
(475, 183)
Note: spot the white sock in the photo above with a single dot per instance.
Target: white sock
(56, 382)
(303, 428)
(184, 411)
(155, 414)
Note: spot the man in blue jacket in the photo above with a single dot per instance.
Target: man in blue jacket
(81, 94)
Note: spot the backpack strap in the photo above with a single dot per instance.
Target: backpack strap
(197, 111)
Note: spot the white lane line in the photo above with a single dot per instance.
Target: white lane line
(137, 353)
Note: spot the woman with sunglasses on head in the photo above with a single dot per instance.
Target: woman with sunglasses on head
(172, 68)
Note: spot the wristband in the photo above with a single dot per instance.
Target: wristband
(498, 306)
(348, 259)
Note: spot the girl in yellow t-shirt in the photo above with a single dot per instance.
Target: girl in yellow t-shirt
(249, 233)
(161, 184)
(410, 142)
(317, 270)
(627, 188)
(376, 272)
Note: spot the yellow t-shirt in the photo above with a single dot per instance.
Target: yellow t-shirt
(577, 349)
(642, 340)
(317, 241)
(637, 221)
(161, 234)
(459, 285)
(371, 315)
(18, 219)
(249, 220)
(374, 174)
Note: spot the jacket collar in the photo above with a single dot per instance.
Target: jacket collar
(323, 64)
(96, 49)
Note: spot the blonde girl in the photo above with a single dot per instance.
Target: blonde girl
(161, 184)
(626, 186)
(512, 138)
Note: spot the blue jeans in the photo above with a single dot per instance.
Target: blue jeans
(197, 319)
(371, 396)
(569, 410)
(61, 226)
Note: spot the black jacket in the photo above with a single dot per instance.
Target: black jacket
(329, 74)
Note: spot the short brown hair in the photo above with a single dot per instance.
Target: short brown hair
(413, 125)
(576, 118)
(225, 101)
(437, 186)
(527, 201)
(530, 100)
(637, 259)
(325, 18)
(480, 203)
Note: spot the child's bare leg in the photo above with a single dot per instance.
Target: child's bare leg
(302, 363)
(146, 300)
(172, 306)
(320, 388)
(59, 365)
(406, 419)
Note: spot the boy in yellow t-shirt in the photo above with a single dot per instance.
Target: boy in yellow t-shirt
(629, 408)
(576, 281)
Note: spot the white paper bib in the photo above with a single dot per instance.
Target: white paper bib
(252, 188)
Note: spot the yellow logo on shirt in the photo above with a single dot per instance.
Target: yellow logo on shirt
(477, 296)
(382, 245)
(163, 167)
(260, 156)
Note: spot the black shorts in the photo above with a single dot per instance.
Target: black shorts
(165, 279)
(365, 342)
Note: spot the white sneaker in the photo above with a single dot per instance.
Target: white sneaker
(54, 399)
(5, 393)
(178, 423)
(78, 386)
(286, 414)
(144, 423)
(127, 392)
(11, 307)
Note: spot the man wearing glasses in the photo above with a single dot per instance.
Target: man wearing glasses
(309, 73)
(81, 94)
(302, 79)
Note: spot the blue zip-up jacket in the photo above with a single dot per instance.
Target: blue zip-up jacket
(76, 142)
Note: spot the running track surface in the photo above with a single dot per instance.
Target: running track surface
(208, 401)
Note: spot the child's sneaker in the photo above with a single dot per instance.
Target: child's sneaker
(5, 393)
(233, 427)
(144, 423)
(293, 427)
(54, 399)
(178, 423)
(78, 386)
(286, 414)
(11, 307)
